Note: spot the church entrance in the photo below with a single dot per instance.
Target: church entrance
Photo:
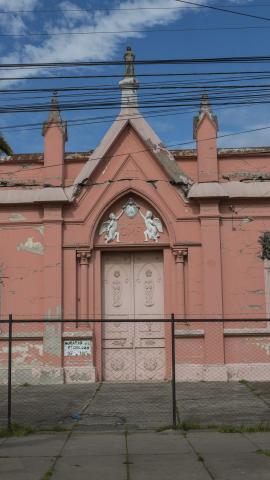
(133, 350)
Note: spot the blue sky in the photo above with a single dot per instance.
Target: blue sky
(135, 15)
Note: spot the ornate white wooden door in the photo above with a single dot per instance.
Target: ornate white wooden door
(133, 289)
(149, 304)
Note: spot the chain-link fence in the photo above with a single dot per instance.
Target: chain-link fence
(152, 374)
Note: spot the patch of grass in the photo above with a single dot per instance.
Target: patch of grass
(48, 474)
(264, 452)
(186, 425)
(17, 431)
(164, 428)
(260, 427)
(244, 382)
(57, 428)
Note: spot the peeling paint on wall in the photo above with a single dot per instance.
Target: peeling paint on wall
(264, 346)
(16, 217)
(30, 246)
(50, 315)
(246, 220)
(40, 229)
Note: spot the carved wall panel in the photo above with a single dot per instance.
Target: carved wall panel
(131, 221)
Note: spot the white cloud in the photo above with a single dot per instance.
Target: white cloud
(16, 23)
(134, 16)
(18, 4)
(98, 46)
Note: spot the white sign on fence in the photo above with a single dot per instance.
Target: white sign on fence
(77, 348)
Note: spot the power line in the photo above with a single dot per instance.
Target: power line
(109, 9)
(149, 149)
(155, 103)
(152, 31)
(173, 109)
(167, 74)
(145, 92)
(195, 4)
(163, 61)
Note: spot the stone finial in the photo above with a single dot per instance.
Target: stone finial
(129, 59)
(55, 117)
(205, 109)
(205, 104)
(129, 86)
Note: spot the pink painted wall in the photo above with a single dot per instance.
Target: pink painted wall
(51, 258)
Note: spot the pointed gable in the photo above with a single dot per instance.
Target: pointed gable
(130, 115)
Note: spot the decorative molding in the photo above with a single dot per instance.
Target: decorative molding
(189, 333)
(249, 332)
(83, 256)
(180, 254)
(78, 335)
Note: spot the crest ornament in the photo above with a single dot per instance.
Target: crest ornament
(131, 209)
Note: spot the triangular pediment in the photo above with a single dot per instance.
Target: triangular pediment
(149, 143)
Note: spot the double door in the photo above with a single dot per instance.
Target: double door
(133, 350)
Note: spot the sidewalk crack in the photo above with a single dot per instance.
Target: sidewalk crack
(201, 459)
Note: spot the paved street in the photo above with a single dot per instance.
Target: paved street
(198, 455)
(112, 407)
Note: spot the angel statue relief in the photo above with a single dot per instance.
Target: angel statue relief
(153, 226)
(110, 227)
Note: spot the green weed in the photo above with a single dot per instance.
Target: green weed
(17, 430)
(260, 427)
(48, 474)
(264, 452)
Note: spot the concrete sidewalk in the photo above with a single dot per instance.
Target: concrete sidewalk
(137, 406)
(196, 455)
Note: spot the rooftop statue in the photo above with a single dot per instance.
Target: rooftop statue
(129, 58)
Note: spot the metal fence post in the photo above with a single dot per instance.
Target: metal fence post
(9, 368)
(173, 372)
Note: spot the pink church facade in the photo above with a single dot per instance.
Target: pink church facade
(131, 231)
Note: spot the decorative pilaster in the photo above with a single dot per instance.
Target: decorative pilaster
(212, 290)
(83, 257)
(264, 241)
(180, 255)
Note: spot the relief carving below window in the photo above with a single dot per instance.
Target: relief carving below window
(117, 290)
(149, 287)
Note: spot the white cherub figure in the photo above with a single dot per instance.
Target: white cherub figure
(110, 228)
(153, 226)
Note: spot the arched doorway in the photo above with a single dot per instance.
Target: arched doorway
(133, 290)
(131, 236)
